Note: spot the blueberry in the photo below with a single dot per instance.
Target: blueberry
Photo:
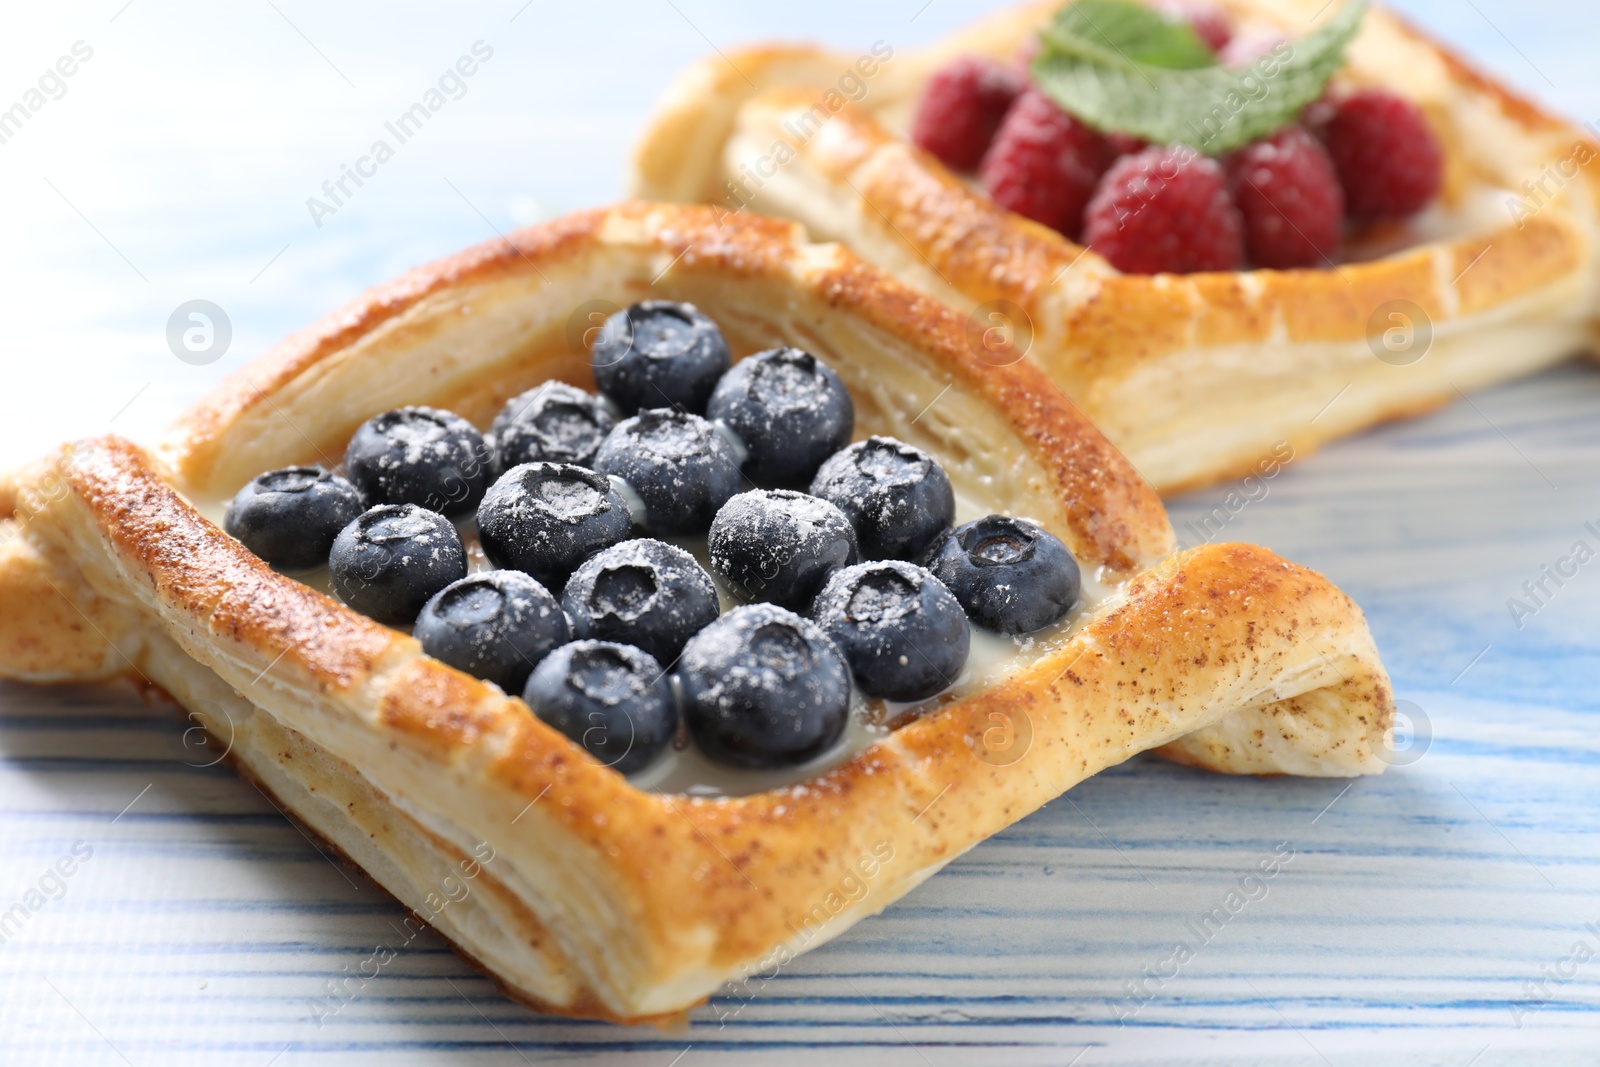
(779, 545)
(612, 699)
(420, 456)
(903, 632)
(546, 518)
(763, 687)
(897, 497)
(390, 561)
(1010, 574)
(790, 411)
(554, 422)
(496, 626)
(644, 593)
(290, 517)
(659, 354)
(681, 467)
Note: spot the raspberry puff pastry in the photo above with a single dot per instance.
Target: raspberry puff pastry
(1194, 377)
(592, 894)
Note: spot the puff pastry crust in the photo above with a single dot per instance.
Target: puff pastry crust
(1197, 377)
(586, 895)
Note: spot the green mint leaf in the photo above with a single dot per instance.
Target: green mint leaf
(1095, 77)
(1138, 33)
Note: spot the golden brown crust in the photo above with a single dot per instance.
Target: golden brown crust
(64, 633)
(162, 542)
(1106, 501)
(643, 903)
(748, 861)
(193, 438)
(1261, 351)
(584, 1007)
(1110, 509)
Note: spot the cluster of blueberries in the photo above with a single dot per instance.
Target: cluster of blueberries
(588, 609)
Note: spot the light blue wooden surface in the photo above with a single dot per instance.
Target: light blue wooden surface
(1418, 920)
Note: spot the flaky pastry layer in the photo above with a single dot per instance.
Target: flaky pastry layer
(1196, 377)
(583, 894)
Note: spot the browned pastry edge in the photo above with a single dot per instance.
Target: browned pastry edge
(986, 253)
(1107, 505)
(1218, 624)
(696, 890)
(587, 1008)
(1104, 336)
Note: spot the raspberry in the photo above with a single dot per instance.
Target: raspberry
(1289, 197)
(1166, 209)
(1125, 144)
(1388, 158)
(962, 107)
(1044, 163)
(1315, 116)
(1026, 53)
(1212, 26)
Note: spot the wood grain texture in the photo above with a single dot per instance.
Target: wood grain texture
(1414, 910)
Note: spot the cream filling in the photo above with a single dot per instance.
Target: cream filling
(1480, 211)
(684, 769)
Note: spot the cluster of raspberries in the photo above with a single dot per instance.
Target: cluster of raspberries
(1360, 156)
